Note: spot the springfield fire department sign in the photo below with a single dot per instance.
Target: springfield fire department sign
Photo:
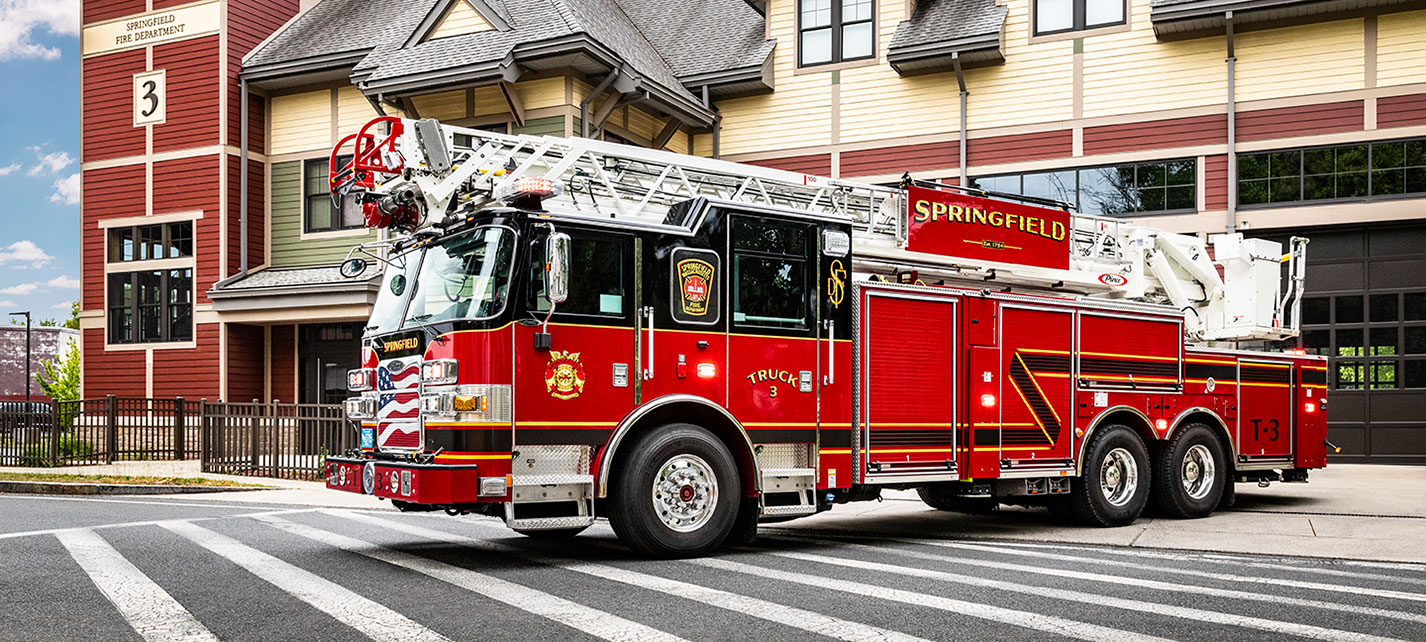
(152, 28)
(969, 227)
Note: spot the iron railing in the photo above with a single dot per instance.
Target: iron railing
(98, 431)
(282, 440)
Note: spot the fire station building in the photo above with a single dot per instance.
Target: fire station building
(211, 245)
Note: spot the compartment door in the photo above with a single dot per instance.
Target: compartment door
(1037, 412)
(1265, 407)
(908, 379)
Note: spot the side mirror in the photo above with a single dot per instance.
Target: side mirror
(353, 267)
(557, 267)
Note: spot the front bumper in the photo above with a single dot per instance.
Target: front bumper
(441, 484)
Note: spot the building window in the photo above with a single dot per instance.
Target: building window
(151, 242)
(1113, 190)
(1377, 341)
(1384, 169)
(1059, 16)
(835, 30)
(318, 215)
(151, 306)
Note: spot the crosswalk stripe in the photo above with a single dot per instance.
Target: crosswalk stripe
(370, 618)
(580, 617)
(148, 522)
(1318, 586)
(1024, 619)
(1303, 630)
(149, 609)
(805, 620)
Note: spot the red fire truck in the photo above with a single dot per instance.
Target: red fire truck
(569, 328)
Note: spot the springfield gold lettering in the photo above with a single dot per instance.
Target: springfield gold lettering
(409, 343)
(964, 226)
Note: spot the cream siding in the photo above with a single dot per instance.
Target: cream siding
(1132, 72)
(302, 122)
(445, 106)
(1036, 85)
(461, 19)
(1401, 48)
(1296, 61)
(353, 111)
(544, 92)
(489, 101)
(289, 249)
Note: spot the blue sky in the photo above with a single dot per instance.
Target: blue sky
(39, 156)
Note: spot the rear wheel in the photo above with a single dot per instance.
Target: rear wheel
(676, 493)
(1115, 485)
(1190, 473)
(941, 498)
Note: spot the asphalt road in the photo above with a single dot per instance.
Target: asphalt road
(169, 569)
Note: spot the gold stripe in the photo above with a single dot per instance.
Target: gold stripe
(1121, 378)
(473, 457)
(1042, 395)
(912, 450)
(914, 425)
(505, 424)
(774, 424)
(835, 451)
(1265, 365)
(567, 423)
(1220, 363)
(1225, 382)
(1264, 385)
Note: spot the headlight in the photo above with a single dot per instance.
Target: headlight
(470, 402)
(360, 379)
(439, 371)
(360, 407)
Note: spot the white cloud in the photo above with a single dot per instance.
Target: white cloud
(21, 289)
(19, 19)
(50, 163)
(25, 254)
(66, 190)
(7, 304)
(64, 282)
(9, 169)
(62, 305)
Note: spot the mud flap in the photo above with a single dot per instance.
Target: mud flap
(745, 527)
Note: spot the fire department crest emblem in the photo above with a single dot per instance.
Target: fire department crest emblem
(564, 376)
(695, 279)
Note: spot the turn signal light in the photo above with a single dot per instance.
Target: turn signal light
(987, 401)
(707, 370)
(470, 403)
(360, 379)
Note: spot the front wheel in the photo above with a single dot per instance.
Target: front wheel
(1115, 485)
(1190, 471)
(675, 493)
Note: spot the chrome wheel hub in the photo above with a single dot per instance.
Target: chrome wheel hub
(1198, 471)
(1118, 477)
(685, 493)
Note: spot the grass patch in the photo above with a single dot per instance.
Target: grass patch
(122, 479)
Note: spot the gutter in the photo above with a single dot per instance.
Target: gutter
(595, 93)
(961, 80)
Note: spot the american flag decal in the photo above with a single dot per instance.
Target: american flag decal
(398, 416)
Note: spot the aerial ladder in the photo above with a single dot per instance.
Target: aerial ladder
(1228, 288)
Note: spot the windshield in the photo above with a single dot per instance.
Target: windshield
(396, 286)
(466, 277)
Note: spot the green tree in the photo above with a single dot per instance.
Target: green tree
(61, 380)
(73, 321)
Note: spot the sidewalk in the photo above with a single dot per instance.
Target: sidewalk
(1347, 511)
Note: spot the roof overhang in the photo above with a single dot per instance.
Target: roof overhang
(981, 50)
(733, 83)
(276, 299)
(303, 72)
(1209, 17)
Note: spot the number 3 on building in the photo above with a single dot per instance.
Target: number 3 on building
(150, 103)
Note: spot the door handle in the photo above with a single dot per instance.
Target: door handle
(649, 317)
(829, 378)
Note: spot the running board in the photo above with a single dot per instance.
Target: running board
(786, 484)
(531, 493)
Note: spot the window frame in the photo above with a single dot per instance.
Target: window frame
(835, 26)
(136, 305)
(1302, 175)
(337, 225)
(1078, 185)
(1078, 10)
(135, 236)
(626, 268)
(808, 260)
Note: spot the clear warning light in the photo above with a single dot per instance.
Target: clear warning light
(987, 401)
(707, 370)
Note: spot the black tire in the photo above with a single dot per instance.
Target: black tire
(1060, 508)
(943, 499)
(1112, 493)
(558, 533)
(1189, 473)
(632, 511)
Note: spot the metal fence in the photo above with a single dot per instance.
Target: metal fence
(98, 431)
(280, 440)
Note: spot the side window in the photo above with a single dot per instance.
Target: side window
(597, 276)
(770, 274)
(694, 295)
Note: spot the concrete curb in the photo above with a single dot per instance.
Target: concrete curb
(80, 488)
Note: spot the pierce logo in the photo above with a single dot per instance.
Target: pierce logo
(564, 376)
(695, 279)
(1113, 280)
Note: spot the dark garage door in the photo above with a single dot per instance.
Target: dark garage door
(1366, 309)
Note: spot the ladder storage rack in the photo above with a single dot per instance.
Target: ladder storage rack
(1232, 292)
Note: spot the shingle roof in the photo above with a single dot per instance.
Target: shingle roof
(289, 277)
(948, 20)
(701, 37)
(342, 26)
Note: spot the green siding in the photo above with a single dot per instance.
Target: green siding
(288, 248)
(551, 126)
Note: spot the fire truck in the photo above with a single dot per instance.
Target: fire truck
(570, 328)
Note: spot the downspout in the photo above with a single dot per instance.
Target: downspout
(961, 80)
(717, 121)
(584, 104)
(243, 178)
(1232, 129)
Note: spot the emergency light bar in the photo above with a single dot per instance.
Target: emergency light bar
(529, 187)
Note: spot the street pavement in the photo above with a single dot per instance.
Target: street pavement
(177, 569)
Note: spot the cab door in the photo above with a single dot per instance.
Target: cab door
(774, 330)
(1265, 409)
(682, 333)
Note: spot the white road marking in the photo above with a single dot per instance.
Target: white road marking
(1079, 597)
(803, 619)
(149, 609)
(577, 616)
(151, 522)
(190, 504)
(1024, 619)
(370, 618)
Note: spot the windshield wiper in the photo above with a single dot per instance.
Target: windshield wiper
(419, 318)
